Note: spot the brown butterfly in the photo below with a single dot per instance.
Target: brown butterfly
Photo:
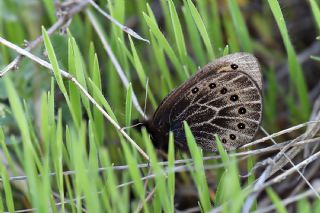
(223, 98)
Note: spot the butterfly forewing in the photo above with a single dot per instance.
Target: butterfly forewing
(223, 98)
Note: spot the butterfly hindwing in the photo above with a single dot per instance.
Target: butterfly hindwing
(218, 105)
(223, 98)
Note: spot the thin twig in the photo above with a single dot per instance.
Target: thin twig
(253, 196)
(83, 90)
(166, 171)
(282, 132)
(288, 200)
(184, 161)
(148, 198)
(279, 160)
(73, 8)
(142, 202)
(311, 131)
(62, 20)
(122, 27)
(310, 173)
(273, 148)
(304, 56)
(292, 170)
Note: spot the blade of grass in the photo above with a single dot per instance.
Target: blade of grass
(178, 35)
(270, 98)
(98, 118)
(53, 61)
(215, 27)
(240, 26)
(80, 74)
(141, 73)
(171, 174)
(128, 107)
(276, 200)
(75, 101)
(135, 174)
(49, 5)
(7, 189)
(198, 174)
(163, 42)
(304, 206)
(161, 63)
(101, 99)
(316, 12)
(231, 36)
(111, 180)
(58, 158)
(194, 35)
(201, 27)
(295, 70)
(161, 188)
(20, 118)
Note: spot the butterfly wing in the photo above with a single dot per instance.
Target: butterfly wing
(223, 98)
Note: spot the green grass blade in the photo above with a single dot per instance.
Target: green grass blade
(202, 29)
(195, 37)
(101, 99)
(232, 39)
(240, 26)
(135, 174)
(53, 61)
(198, 174)
(129, 106)
(163, 42)
(177, 29)
(295, 70)
(7, 189)
(171, 175)
(49, 5)
(316, 12)
(75, 100)
(222, 151)
(80, 73)
(141, 73)
(216, 27)
(304, 206)
(20, 117)
(161, 188)
(276, 201)
(161, 63)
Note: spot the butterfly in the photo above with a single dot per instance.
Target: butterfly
(223, 98)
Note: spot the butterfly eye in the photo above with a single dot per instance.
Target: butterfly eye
(223, 90)
(234, 97)
(195, 90)
(234, 66)
(241, 125)
(242, 110)
(224, 140)
(232, 137)
(212, 85)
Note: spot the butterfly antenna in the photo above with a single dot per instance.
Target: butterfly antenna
(137, 123)
(133, 125)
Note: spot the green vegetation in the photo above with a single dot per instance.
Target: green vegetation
(59, 153)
